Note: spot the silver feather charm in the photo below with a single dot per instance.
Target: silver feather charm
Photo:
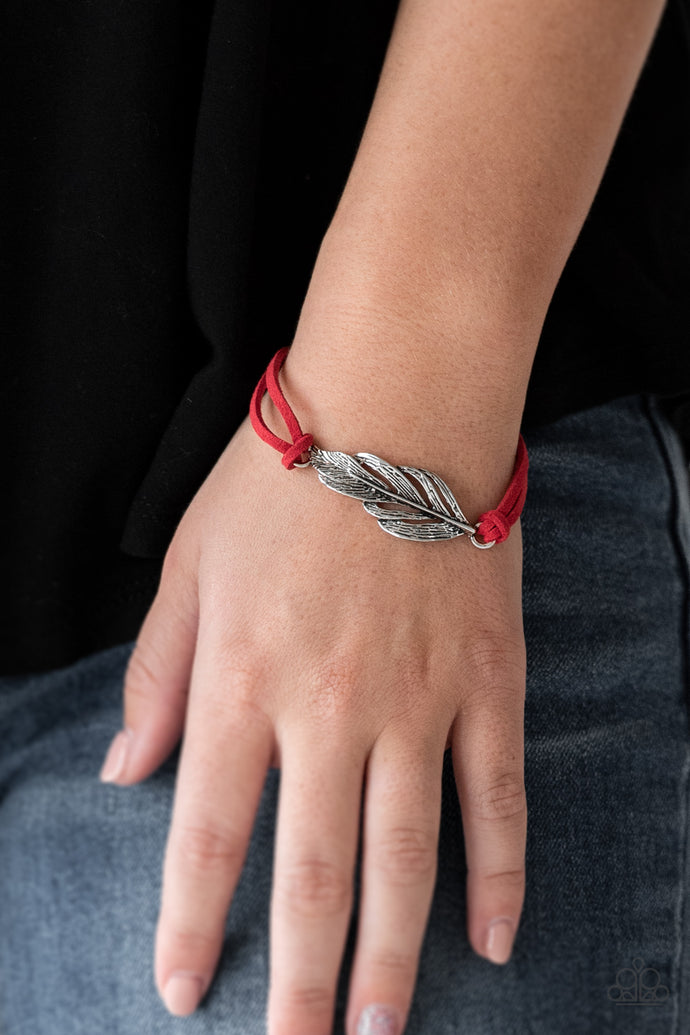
(407, 502)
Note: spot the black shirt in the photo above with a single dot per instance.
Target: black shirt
(168, 172)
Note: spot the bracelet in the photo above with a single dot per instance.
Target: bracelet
(408, 502)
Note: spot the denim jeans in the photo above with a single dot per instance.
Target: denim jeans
(604, 941)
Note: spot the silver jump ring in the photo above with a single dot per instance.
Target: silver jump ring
(481, 546)
(307, 463)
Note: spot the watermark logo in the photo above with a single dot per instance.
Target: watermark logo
(638, 985)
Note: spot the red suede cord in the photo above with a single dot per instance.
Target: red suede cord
(493, 525)
(291, 451)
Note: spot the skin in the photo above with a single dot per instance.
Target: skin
(288, 629)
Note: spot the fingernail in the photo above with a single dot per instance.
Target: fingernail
(376, 1019)
(114, 763)
(182, 993)
(499, 942)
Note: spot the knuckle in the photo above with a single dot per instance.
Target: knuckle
(185, 943)
(397, 963)
(335, 690)
(509, 879)
(238, 657)
(202, 848)
(497, 662)
(308, 998)
(501, 798)
(407, 855)
(238, 692)
(315, 887)
(239, 696)
(248, 717)
(335, 682)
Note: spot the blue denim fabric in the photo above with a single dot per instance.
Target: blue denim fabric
(604, 943)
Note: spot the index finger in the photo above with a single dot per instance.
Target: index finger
(225, 755)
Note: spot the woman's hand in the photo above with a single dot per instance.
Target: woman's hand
(289, 630)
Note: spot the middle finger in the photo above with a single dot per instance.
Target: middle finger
(315, 854)
(399, 865)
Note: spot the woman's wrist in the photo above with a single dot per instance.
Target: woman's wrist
(389, 256)
(480, 158)
(408, 502)
(365, 374)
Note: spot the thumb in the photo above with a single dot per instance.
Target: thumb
(156, 682)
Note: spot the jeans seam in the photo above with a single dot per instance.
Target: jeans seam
(682, 907)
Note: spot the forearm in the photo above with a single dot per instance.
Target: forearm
(487, 139)
(488, 136)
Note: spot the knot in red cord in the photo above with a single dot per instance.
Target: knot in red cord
(493, 527)
(294, 452)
